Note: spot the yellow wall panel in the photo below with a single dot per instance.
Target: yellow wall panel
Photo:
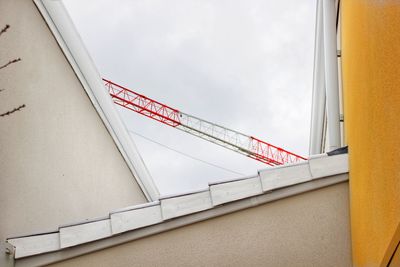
(371, 83)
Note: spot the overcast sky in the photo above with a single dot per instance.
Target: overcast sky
(243, 64)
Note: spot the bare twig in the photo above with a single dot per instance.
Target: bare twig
(4, 66)
(12, 111)
(4, 29)
(10, 62)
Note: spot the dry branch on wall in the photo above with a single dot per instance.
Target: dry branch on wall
(4, 29)
(12, 111)
(10, 62)
(4, 66)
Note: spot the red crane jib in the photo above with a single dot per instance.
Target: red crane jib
(247, 145)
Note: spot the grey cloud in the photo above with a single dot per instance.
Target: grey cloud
(243, 64)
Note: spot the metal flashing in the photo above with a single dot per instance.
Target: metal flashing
(86, 232)
(235, 190)
(33, 245)
(183, 194)
(232, 180)
(135, 207)
(185, 204)
(288, 175)
(83, 222)
(178, 210)
(286, 165)
(64, 254)
(34, 234)
(338, 151)
(321, 166)
(135, 218)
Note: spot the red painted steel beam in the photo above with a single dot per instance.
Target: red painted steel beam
(142, 104)
(238, 142)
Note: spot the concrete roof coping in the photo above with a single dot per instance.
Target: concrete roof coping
(169, 208)
(232, 179)
(183, 193)
(83, 222)
(135, 207)
(317, 156)
(287, 165)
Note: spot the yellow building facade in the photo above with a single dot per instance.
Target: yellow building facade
(371, 83)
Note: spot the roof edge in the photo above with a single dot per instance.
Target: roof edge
(67, 37)
(139, 221)
(71, 252)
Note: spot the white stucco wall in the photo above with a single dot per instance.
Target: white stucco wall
(309, 229)
(58, 163)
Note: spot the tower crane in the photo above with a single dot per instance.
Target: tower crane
(249, 146)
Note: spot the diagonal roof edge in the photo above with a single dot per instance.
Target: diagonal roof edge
(65, 33)
(140, 221)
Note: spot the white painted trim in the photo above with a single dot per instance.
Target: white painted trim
(62, 254)
(331, 73)
(318, 92)
(235, 190)
(60, 24)
(36, 244)
(136, 218)
(141, 216)
(186, 204)
(183, 193)
(83, 233)
(287, 175)
(233, 179)
(323, 166)
(139, 206)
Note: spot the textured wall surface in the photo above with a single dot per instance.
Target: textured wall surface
(371, 82)
(310, 229)
(58, 163)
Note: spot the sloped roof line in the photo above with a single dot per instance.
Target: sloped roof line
(63, 30)
(222, 198)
